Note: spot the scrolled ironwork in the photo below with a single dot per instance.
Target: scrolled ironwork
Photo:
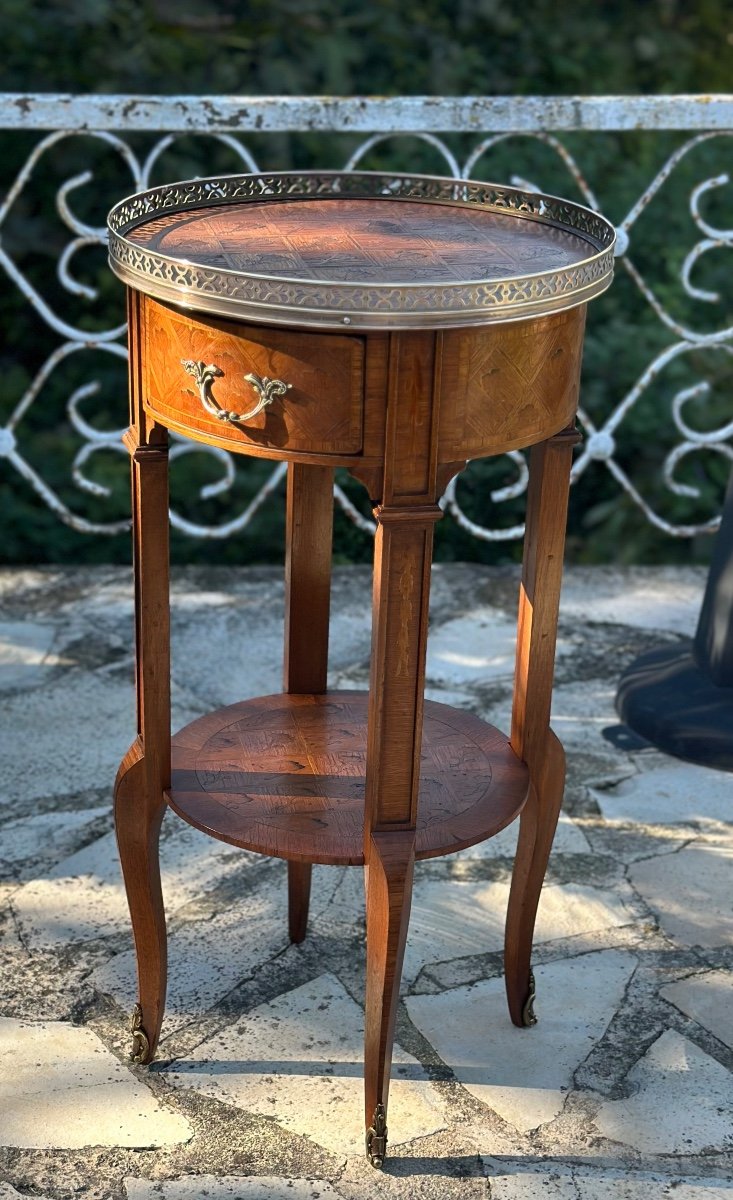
(102, 122)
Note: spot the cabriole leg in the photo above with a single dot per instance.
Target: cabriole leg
(401, 589)
(531, 737)
(139, 808)
(388, 893)
(406, 513)
(537, 826)
(145, 771)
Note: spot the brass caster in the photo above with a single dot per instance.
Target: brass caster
(376, 1137)
(140, 1052)
(528, 1013)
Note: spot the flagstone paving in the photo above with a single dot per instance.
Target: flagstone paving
(582, 1185)
(680, 1101)
(231, 1188)
(675, 793)
(61, 1087)
(622, 1091)
(691, 894)
(525, 1077)
(298, 1059)
(708, 1000)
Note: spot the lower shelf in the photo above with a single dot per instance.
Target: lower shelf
(284, 776)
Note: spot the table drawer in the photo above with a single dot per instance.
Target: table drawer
(288, 390)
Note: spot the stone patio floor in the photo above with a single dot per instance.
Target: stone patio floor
(622, 1090)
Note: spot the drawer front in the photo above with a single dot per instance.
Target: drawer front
(321, 411)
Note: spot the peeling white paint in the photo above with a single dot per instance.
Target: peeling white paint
(374, 114)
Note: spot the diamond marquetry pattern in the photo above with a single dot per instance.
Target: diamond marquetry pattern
(285, 775)
(349, 241)
(507, 387)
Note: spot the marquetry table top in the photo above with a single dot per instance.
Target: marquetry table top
(361, 250)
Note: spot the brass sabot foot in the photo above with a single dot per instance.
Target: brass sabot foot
(376, 1137)
(528, 1013)
(140, 1052)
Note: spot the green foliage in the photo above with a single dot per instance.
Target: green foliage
(390, 47)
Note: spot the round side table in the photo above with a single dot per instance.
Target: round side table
(398, 327)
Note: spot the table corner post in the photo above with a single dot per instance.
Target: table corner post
(406, 513)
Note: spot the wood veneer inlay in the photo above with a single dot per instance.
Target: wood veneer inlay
(284, 775)
(369, 241)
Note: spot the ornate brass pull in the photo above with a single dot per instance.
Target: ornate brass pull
(204, 375)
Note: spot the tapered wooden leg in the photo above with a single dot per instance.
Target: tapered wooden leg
(309, 535)
(531, 737)
(299, 890)
(388, 894)
(139, 810)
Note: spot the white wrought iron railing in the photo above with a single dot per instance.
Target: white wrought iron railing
(116, 124)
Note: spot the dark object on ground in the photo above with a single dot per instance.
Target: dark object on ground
(625, 739)
(681, 697)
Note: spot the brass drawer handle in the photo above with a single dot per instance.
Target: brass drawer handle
(204, 375)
